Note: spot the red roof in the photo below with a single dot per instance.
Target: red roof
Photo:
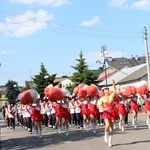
(106, 76)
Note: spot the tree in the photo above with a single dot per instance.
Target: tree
(82, 74)
(43, 79)
(12, 91)
(27, 86)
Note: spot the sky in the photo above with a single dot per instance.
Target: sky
(54, 32)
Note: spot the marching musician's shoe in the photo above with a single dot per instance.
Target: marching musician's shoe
(94, 130)
(109, 145)
(67, 133)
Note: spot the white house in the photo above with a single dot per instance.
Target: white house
(66, 82)
(127, 76)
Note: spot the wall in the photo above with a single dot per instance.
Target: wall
(2, 101)
(66, 83)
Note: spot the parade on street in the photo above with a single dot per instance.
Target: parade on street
(132, 138)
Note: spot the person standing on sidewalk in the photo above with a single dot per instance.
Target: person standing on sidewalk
(107, 105)
(4, 112)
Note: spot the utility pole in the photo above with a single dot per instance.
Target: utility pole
(103, 53)
(147, 56)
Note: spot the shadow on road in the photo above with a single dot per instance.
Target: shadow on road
(51, 139)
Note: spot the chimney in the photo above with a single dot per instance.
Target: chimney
(109, 58)
(136, 57)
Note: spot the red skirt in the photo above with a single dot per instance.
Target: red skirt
(94, 112)
(147, 106)
(122, 110)
(36, 115)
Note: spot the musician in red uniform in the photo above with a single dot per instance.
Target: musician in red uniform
(146, 99)
(107, 105)
(37, 118)
(122, 112)
(134, 109)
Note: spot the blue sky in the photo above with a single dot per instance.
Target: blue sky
(53, 32)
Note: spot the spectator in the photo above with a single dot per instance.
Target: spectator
(4, 112)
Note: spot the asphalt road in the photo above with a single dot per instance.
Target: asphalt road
(78, 139)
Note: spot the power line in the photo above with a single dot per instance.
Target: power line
(71, 29)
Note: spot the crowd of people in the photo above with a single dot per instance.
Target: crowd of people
(84, 113)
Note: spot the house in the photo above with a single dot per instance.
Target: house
(64, 81)
(113, 65)
(135, 77)
(125, 71)
(2, 91)
(127, 76)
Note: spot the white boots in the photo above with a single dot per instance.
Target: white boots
(67, 131)
(121, 126)
(38, 133)
(108, 139)
(134, 123)
(148, 122)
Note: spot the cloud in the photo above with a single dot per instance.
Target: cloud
(25, 24)
(4, 52)
(90, 22)
(142, 4)
(42, 2)
(117, 3)
(139, 4)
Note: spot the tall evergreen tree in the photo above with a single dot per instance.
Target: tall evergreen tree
(12, 91)
(81, 74)
(43, 79)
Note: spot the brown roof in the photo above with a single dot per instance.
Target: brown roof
(120, 63)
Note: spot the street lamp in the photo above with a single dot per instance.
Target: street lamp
(103, 53)
(14, 85)
(15, 90)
